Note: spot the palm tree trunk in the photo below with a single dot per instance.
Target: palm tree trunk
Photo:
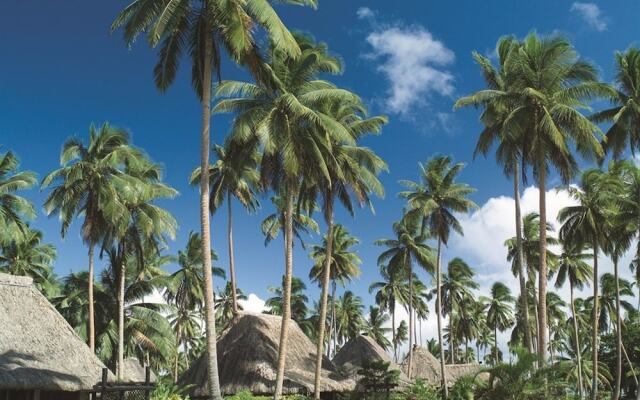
(410, 356)
(495, 344)
(393, 331)
(542, 277)
(324, 298)
(577, 338)
(520, 260)
(205, 228)
(286, 307)
(616, 390)
(175, 367)
(439, 318)
(232, 267)
(594, 333)
(420, 325)
(92, 326)
(452, 339)
(121, 278)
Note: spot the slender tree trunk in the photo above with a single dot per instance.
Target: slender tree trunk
(520, 261)
(445, 390)
(410, 356)
(495, 344)
(205, 228)
(420, 322)
(577, 339)
(232, 267)
(324, 295)
(393, 332)
(334, 323)
(594, 333)
(92, 326)
(616, 390)
(175, 367)
(542, 277)
(121, 278)
(286, 307)
(452, 339)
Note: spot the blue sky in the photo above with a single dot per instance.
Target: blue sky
(62, 71)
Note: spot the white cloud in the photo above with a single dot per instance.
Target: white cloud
(253, 303)
(414, 64)
(591, 14)
(365, 13)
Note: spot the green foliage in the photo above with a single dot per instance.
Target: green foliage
(420, 390)
(167, 390)
(376, 372)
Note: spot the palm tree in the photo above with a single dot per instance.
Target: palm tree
(28, 256)
(457, 286)
(434, 200)
(572, 267)
(345, 265)
(587, 222)
(14, 209)
(273, 223)
(499, 312)
(375, 326)
(185, 324)
(299, 299)
(225, 302)
(401, 335)
(349, 316)
(625, 114)
(509, 152)
(234, 174)
(408, 247)
(83, 185)
(204, 28)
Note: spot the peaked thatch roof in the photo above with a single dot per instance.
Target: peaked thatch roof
(362, 348)
(133, 371)
(38, 348)
(248, 356)
(426, 366)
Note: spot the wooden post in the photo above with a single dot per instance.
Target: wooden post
(105, 373)
(147, 382)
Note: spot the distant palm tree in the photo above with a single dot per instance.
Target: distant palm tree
(572, 267)
(499, 312)
(82, 186)
(375, 327)
(185, 324)
(206, 29)
(274, 223)
(14, 209)
(434, 199)
(28, 256)
(401, 335)
(299, 300)
(225, 304)
(408, 247)
(233, 174)
(349, 316)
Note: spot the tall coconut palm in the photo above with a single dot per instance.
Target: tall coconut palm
(344, 266)
(226, 300)
(573, 267)
(298, 299)
(234, 174)
(274, 223)
(14, 209)
(434, 199)
(409, 247)
(499, 312)
(629, 211)
(375, 326)
(28, 256)
(204, 28)
(295, 135)
(509, 151)
(587, 222)
(349, 316)
(82, 186)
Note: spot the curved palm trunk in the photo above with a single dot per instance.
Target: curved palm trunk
(210, 321)
(232, 268)
(594, 333)
(324, 300)
(443, 372)
(123, 270)
(577, 339)
(410, 357)
(520, 260)
(616, 390)
(393, 331)
(92, 326)
(543, 333)
(286, 308)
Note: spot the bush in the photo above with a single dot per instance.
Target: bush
(166, 390)
(420, 390)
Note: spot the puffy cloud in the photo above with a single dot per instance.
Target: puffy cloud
(591, 14)
(365, 13)
(253, 303)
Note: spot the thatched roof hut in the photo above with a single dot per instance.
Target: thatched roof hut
(248, 356)
(425, 366)
(362, 348)
(134, 371)
(39, 351)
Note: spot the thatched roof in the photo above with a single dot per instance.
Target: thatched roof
(248, 356)
(38, 348)
(133, 371)
(425, 366)
(362, 348)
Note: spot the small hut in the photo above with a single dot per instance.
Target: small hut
(248, 357)
(41, 356)
(356, 351)
(425, 366)
(134, 372)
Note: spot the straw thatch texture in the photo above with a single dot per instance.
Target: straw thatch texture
(426, 366)
(457, 371)
(38, 348)
(133, 371)
(248, 356)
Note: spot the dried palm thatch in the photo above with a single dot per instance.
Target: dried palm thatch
(134, 371)
(38, 348)
(356, 351)
(457, 371)
(248, 356)
(426, 366)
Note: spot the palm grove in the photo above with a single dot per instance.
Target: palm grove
(296, 139)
